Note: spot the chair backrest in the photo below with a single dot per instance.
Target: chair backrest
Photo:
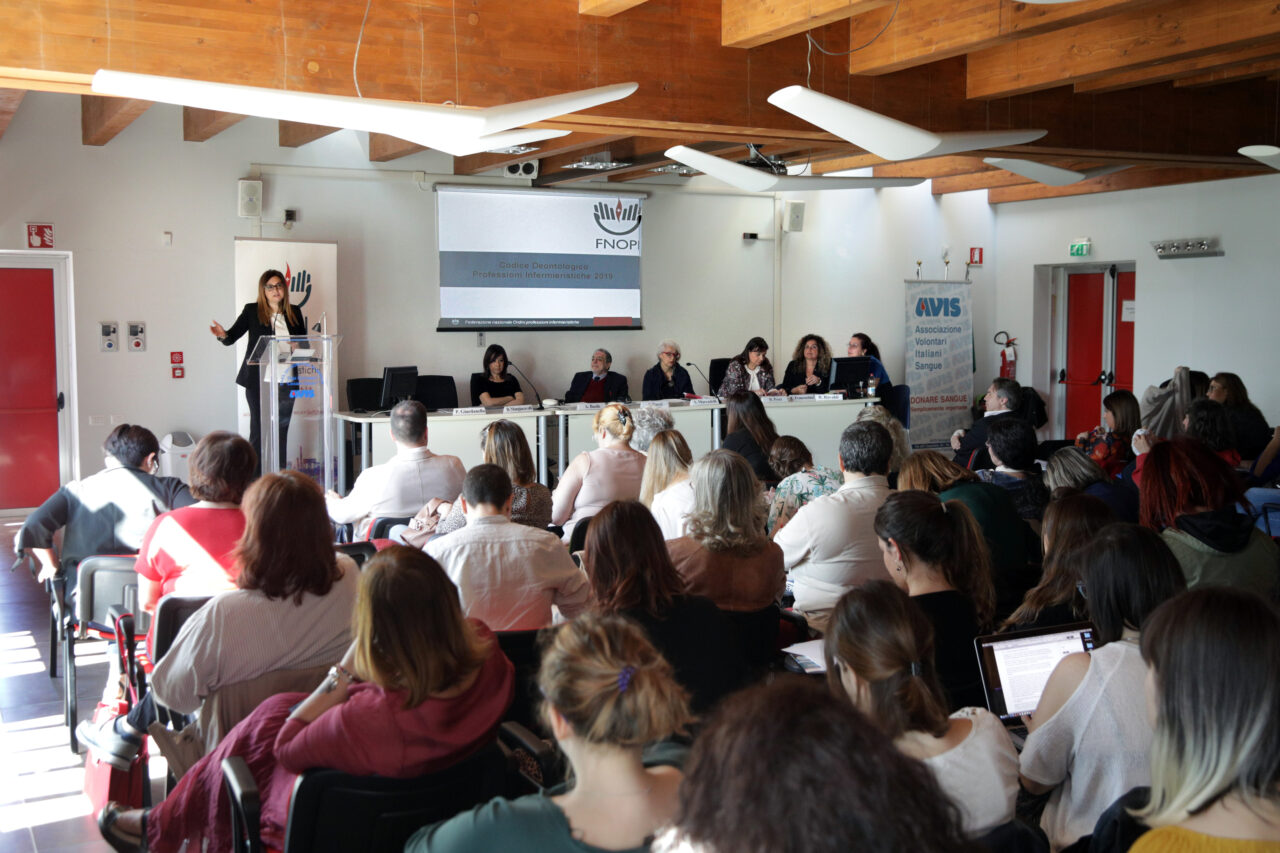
(757, 634)
(578, 538)
(521, 648)
(231, 703)
(358, 551)
(898, 401)
(477, 382)
(105, 582)
(716, 370)
(436, 392)
(364, 394)
(381, 527)
(171, 612)
(335, 811)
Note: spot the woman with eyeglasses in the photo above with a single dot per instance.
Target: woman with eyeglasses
(272, 314)
(667, 380)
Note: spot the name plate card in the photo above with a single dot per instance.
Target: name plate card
(704, 401)
(828, 396)
(774, 399)
(587, 407)
(469, 410)
(804, 396)
(653, 404)
(524, 407)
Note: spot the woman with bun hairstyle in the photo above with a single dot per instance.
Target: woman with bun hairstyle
(271, 314)
(935, 552)
(608, 693)
(613, 471)
(879, 650)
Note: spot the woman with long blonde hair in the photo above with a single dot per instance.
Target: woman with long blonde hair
(666, 488)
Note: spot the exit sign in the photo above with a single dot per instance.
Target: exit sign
(1081, 248)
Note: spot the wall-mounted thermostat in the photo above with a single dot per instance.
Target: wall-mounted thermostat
(137, 335)
(110, 339)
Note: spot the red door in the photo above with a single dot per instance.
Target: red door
(1123, 366)
(1085, 301)
(28, 388)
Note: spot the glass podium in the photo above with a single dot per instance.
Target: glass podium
(299, 397)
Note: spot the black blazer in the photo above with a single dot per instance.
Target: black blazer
(973, 452)
(248, 323)
(615, 387)
(795, 376)
(655, 384)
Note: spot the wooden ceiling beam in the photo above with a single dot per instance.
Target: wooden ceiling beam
(751, 23)
(38, 80)
(924, 31)
(102, 118)
(1175, 30)
(1130, 179)
(1166, 71)
(474, 164)
(847, 162)
(1218, 76)
(383, 148)
(931, 167)
(294, 134)
(199, 125)
(606, 8)
(9, 101)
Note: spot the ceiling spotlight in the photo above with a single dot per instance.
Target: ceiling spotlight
(1187, 247)
(673, 169)
(514, 149)
(598, 164)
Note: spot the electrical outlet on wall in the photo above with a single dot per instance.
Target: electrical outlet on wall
(480, 339)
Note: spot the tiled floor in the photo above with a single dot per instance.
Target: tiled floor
(42, 808)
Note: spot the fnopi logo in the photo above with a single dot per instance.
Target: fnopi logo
(617, 220)
(938, 306)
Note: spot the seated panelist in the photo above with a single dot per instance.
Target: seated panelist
(599, 384)
(494, 386)
(667, 380)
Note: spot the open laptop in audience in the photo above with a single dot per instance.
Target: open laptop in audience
(1015, 666)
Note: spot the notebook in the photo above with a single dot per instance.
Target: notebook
(1015, 665)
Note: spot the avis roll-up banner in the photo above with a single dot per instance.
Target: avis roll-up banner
(311, 270)
(939, 360)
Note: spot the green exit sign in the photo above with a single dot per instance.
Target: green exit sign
(1081, 248)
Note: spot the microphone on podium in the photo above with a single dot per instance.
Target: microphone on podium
(536, 395)
(704, 379)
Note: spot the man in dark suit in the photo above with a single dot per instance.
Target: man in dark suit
(1001, 401)
(599, 384)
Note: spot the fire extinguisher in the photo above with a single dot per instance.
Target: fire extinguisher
(1008, 355)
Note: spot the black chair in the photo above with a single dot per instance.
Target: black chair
(335, 811)
(716, 370)
(757, 635)
(477, 385)
(578, 539)
(521, 648)
(381, 527)
(436, 392)
(358, 551)
(364, 395)
(1014, 837)
(898, 401)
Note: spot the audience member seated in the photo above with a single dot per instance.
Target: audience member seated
(632, 575)
(191, 550)
(800, 481)
(105, 513)
(1108, 445)
(935, 552)
(1012, 445)
(608, 693)
(419, 689)
(1215, 760)
(901, 443)
(830, 546)
(611, 472)
(789, 768)
(725, 554)
(649, 420)
(666, 488)
(599, 384)
(1163, 405)
(1251, 428)
(404, 484)
(504, 444)
(750, 433)
(879, 652)
(666, 380)
(508, 575)
(1189, 496)
(860, 344)
(1070, 522)
(493, 386)
(1266, 495)
(291, 610)
(1000, 403)
(1070, 468)
(1205, 420)
(1014, 551)
(1090, 735)
(809, 371)
(750, 371)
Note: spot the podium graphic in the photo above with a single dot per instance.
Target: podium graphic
(298, 384)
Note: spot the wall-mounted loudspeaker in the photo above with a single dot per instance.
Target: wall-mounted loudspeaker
(250, 199)
(793, 216)
(524, 169)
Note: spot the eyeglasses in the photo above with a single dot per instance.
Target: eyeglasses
(273, 287)
(672, 354)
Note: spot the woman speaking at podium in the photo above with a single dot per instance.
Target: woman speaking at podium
(270, 315)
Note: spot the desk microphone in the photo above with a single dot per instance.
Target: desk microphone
(536, 395)
(704, 379)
